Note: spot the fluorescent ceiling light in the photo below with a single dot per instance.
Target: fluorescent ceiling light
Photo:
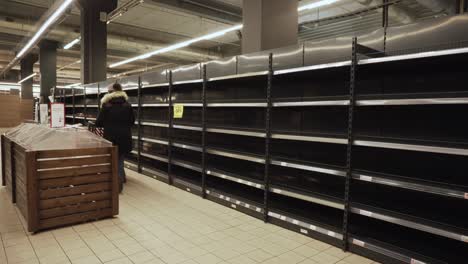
(44, 27)
(316, 5)
(178, 45)
(71, 44)
(27, 78)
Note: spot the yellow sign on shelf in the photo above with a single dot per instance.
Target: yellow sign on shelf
(178, 110)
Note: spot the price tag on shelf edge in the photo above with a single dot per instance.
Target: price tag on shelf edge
(178, 111)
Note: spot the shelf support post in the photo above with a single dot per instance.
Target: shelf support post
(352, 102)
(169, 133)
(139, 126)
(204, 132)
(73, 103)
(267, 139)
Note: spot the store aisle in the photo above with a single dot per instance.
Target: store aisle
(162, 224)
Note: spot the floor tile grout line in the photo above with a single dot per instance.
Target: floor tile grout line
(99, 230)
(26, 233)
(61, 247)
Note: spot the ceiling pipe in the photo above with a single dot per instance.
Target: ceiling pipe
(18, 27)
(439, 6)
(49, 19)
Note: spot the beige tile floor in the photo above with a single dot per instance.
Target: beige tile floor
(161, 224)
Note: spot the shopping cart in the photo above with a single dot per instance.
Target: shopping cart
(94, 129)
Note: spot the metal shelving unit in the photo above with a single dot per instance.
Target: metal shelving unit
(332, 148)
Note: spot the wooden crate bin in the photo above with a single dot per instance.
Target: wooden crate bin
(55, 188)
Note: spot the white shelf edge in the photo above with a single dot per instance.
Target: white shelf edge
(236, 132)
(310, 138)
(416, 101)
(305, 227)
(308, 168)
(314, 67)
(412, 147)
(410, 186)
(312, 103)
(238, 76)
(408, 223)
(420, 55)
(307, 198)
(235, 179)
(235, 155)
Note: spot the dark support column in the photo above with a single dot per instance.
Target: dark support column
(269, 24)
(94, 39)
(48, 67)
(27, 67)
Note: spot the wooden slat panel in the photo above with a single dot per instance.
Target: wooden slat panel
(75, 218)
(73, 162)
(72, 152)
(52, 174)
(70, 200)
(33, 192)
(21, 203)
(79, 208)
(77, 180)
(69, 191)
(2, 144)
(115, 181)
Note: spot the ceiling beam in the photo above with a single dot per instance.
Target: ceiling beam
(210, 9)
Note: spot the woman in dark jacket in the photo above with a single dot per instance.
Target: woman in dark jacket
(117, 118)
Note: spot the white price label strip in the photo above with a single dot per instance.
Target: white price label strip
(283, 217)
(464, 239)
(365, 178)
(366, 213)
(237, 202)
(295, 222)
(359, 243)
(312, 227)
(258, 209)
(233, 206)
(331, 233)
(188, 190)
(415, 261)
(304, 231)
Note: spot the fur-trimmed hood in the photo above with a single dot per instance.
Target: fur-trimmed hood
(117, 94)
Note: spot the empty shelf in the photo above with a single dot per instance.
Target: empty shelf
(186, 164)
(367, 177)
(306, 167)
(234, 178)
(377, 214)
(305, 226)
(318, 199)
(156, 124)
(154, 85)
(188, 81)
(154, 105)
(237, 104)
(195, 128)
(185, 146)
(160, 158)
(312, 103)
(314, 67)
(411, 147)
(235, 155)
(157, 141)
(310, 138)
(237, 76)
(415, 101)
(236, 132)
(414, 56)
